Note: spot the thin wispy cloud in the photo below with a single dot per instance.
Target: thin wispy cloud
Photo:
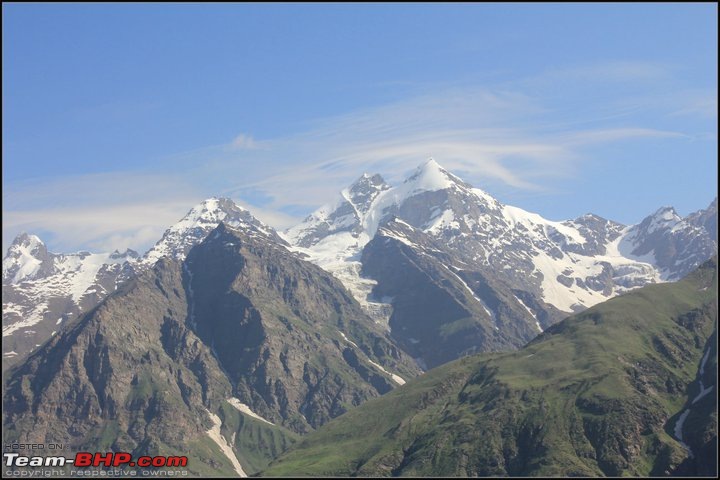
(243, 142)
(506, 136)
(698, 103)
(105, 212)
(603, 72)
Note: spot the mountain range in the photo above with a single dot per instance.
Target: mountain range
(240, 343)
(232, 341)
(500, 273)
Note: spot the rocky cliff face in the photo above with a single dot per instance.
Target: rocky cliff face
(706, 219)
(295, 344)
(442, 307)
(345, 215)
(128, 376)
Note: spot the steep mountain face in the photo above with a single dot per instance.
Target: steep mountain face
(308, 352)
(706, 219)
(222, 356)
(552, 268)
(441, 309)
(609, 391)
(44, 291)
(128, 376)
(675, 246)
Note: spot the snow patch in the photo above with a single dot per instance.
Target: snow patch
(441, 222)
(398, 379)
(216, 436)
(348, 341)
(530, 312)
(246, 409)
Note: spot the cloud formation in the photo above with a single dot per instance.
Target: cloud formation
(243, 142)
(512, 137)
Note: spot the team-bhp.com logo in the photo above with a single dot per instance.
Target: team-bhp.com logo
(97, 459)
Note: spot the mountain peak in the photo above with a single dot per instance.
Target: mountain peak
(430, 165)
(431, 176)
(26, 245)
(667, 212)
(212, 210)
(199, 222)
(24, 259)
(367, 181)
(364, 190)
(215, 205)
(27, 240)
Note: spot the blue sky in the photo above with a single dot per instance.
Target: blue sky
(118, 118)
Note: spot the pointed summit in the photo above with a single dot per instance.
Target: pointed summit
(202, 219)
(367, 182)
(664, 218)
(666, 211)
(26, 259)
(430, 176)
(27, 239)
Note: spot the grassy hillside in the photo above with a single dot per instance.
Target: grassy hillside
(597, 394)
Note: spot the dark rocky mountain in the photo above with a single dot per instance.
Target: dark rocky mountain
(442, 309)
(293, 341)
(226, 356)
(625, 388)
(44, 291)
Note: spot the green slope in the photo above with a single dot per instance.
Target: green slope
(596, 394)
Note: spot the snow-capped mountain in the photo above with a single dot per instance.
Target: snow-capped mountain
(42, 291)
(177, 240)
(345, 215)
(706, 219)
(674, 245)
(27, 259)
(568, 265)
